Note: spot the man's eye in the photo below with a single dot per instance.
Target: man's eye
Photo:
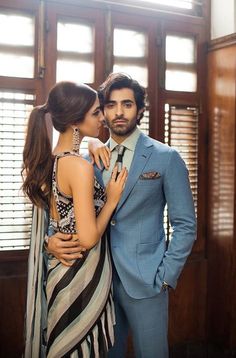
(109, 105)
(128, 105)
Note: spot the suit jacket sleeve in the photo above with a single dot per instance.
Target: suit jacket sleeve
(182, 218)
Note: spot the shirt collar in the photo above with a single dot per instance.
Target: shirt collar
(130, 142)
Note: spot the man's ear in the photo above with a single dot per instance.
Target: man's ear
(140, 113)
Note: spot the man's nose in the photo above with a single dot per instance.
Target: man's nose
(119, 110)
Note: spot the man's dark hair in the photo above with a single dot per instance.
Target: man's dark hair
(116, 81)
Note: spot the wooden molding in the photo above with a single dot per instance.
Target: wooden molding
(222, 42)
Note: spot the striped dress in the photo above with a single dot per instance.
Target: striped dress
(79, 299)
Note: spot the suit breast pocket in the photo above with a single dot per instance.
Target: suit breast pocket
(149, 183)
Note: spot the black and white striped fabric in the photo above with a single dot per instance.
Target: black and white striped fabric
(80, 307)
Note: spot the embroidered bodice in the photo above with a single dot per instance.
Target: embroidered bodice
(64, 203)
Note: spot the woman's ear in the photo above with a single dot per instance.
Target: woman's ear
(73, 126)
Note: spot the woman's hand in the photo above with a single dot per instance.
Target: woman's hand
(99, 152)
(116, 186)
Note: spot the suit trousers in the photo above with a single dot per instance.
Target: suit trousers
(146, 318)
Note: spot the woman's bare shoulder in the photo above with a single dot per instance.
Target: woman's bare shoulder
(76, 165)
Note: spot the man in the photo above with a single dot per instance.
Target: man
(144, 267)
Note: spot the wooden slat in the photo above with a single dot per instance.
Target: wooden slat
(181, 132)
(16, 211)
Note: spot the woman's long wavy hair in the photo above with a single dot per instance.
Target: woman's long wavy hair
(67, 104)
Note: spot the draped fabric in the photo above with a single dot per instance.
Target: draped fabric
(35, 320)
(80, 307)
(70, 310)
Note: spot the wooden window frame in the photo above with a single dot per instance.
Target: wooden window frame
(158, 24)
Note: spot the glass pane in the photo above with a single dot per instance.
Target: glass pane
(184, 4)
(75, 37)
(138, 73)
(16, 30)
(16, 66)
(129, 43)
(78, 39)
(75, 71)
(180, 49)
(181, 81)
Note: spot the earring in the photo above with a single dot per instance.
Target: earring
(76, 140)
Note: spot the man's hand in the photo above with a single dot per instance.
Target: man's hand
(99, 152)
(64, 248)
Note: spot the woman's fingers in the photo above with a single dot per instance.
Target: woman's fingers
(122, 175)
(97, 160)
(108, 151)
(114, 173)
(103, 155)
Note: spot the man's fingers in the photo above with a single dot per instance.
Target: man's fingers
(71, 250)
(60, 235)
(76, 244)
(69, 257)
(66, 263)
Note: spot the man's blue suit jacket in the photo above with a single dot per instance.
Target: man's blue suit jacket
(138, 242)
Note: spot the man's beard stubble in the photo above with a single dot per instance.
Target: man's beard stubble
(121, 130)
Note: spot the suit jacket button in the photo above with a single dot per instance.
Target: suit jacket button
(113, 222)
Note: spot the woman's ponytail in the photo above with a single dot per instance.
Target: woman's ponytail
(37, 159)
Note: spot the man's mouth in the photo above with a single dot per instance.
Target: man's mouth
(119, 121)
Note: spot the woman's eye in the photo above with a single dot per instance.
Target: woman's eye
(96, 113)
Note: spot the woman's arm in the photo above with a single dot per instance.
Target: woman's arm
(80, 177)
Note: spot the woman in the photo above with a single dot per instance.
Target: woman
(79, 304)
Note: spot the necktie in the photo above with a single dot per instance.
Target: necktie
(119, 161)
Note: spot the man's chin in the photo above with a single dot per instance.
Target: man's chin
(119, 132)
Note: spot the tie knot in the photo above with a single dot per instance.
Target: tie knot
(120, 149)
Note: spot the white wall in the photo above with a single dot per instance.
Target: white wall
(223, 18)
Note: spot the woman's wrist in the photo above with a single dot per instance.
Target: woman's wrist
(111, 205)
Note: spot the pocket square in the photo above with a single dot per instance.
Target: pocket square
(150, 175)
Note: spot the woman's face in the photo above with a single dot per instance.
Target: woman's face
(92, 121)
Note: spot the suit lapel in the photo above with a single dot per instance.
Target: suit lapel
(142, 153)
(98, 174)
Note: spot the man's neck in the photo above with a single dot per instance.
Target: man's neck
(120, 139)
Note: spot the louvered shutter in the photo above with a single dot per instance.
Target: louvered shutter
(181, 132)
(15, 210)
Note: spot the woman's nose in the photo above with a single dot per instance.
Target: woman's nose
(101, 117)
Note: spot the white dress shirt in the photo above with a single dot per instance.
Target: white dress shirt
(129, 143)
